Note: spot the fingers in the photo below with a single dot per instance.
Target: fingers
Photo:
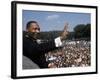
(65, 32)
(66, 26)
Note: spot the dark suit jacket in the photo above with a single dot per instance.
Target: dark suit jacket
(36, 52)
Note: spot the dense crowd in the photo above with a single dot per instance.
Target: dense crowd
(71, 54)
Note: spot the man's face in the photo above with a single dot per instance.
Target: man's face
(34, 28)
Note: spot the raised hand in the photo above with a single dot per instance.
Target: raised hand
(65, 32)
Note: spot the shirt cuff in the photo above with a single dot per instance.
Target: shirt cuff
(58, 42)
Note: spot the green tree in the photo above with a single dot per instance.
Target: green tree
(82, 31)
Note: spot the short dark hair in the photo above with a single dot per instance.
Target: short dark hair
(29, 23)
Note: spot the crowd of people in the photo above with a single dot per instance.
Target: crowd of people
(71, 54)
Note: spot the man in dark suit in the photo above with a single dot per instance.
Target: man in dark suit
(35, 49)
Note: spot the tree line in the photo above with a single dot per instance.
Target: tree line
(81, 31)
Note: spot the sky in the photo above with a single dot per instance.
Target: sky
(50, 21)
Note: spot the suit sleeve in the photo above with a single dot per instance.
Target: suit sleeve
(34, 48)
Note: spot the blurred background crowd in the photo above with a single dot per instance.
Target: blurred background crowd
(71, 54)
